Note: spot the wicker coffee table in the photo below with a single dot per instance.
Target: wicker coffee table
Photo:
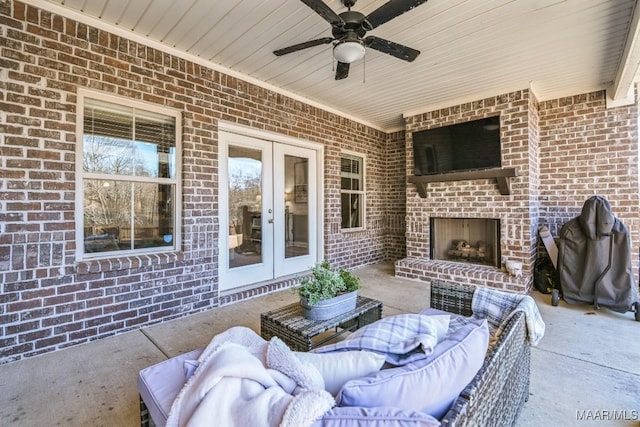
(288, 324)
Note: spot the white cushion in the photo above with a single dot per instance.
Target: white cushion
(338, 368)
(430, 385)
(375, 417)
(159, 385)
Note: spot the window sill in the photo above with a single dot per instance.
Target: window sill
(126, 262)
(353, 230)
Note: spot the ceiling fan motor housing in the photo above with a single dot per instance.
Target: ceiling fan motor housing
(354, 22)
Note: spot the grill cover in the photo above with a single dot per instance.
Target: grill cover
(584, 258)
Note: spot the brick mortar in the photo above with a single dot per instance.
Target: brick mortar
(574, 147)
(48, 300)
(479, 198)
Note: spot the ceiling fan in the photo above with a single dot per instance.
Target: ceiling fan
(349, 29)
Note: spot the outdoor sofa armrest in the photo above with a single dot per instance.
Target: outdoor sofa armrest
(498, 391)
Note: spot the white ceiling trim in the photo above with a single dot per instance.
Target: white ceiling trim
(628, 67)
(471, 49)
(97, 23)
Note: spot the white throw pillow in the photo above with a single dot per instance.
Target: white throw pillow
(340, 367)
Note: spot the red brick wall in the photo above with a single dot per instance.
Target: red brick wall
(48, 300)
(395, 189)
(478, 198)
(585, 150)
(565, 150)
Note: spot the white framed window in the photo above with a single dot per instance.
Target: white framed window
(128, 169)
(352, 194)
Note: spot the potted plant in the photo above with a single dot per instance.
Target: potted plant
(327, 292)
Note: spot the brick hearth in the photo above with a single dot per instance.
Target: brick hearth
(449, 271)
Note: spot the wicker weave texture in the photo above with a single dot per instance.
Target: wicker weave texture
(452, 298)
(288, 324)
(494, 397)
(145, 419)
(497, 393)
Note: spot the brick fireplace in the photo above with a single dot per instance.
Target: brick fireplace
(515, 213)
(563, 151)
(466, 240)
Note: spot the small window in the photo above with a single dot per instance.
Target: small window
(352, 191)
(128, 179)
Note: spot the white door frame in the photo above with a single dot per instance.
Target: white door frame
(226, 128)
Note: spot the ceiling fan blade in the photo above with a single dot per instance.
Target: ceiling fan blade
(394, 49)
(304, 45)
(325, 11)
(390, 10)
(342, 70)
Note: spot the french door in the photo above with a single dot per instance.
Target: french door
(268, 210)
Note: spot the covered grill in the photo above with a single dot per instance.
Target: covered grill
(594, 260)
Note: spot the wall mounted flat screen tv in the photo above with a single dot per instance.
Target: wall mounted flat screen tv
(460, 147)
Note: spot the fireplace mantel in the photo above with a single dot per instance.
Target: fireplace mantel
(502, 175)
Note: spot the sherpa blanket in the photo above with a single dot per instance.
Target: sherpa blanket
(498, 307)
(243, 380)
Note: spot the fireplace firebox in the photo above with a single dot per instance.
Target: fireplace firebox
(468, 240)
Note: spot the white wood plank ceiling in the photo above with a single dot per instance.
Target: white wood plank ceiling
(470, 49)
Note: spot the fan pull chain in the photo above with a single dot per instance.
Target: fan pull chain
(364, 69)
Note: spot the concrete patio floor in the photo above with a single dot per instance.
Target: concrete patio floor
(585, 371)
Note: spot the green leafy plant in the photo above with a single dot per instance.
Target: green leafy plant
(351, 281)
(325, 283)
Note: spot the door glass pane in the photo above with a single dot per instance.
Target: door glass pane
(245, 206)
(296, 224)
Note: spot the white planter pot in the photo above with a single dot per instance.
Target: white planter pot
(328, 308)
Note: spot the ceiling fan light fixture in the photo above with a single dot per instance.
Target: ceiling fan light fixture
(348, 51)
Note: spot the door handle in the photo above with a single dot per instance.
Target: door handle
(270, 220)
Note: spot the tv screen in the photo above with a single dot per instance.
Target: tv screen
(460, 147)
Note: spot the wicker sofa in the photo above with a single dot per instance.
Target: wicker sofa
(497, 393)
(493, 398)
